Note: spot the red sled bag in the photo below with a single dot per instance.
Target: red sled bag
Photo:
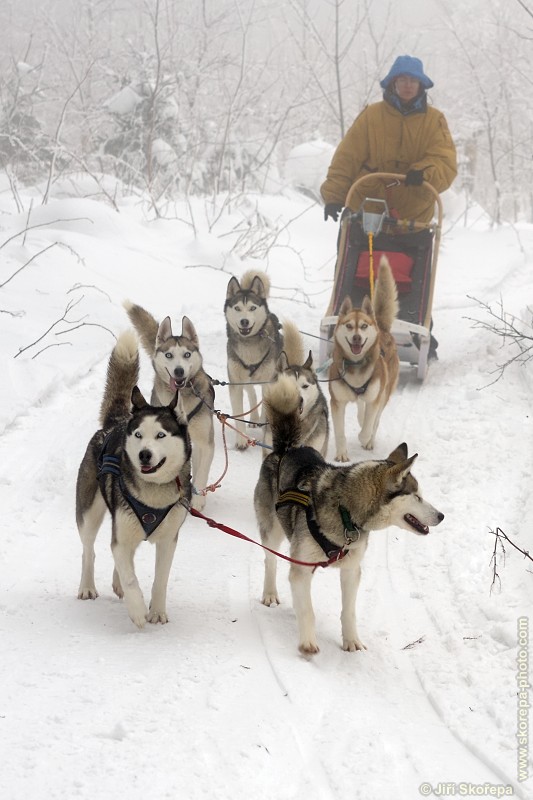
(401, 266)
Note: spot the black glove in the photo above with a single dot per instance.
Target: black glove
(415, 177)
(333, 210)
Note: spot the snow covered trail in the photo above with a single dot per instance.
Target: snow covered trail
(220, 696)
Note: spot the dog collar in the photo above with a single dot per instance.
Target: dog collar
(349, 526)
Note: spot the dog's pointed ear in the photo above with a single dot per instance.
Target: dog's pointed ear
(367, 306)
(189, 331)
(164, 331)
(233, 287)
(399, 454)
(258, 288)
(283, 362)
(346, 306)
(137, 399)
(309, 363)
(176, 406)
(399, 472)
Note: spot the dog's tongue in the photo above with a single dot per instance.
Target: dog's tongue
(355, 348)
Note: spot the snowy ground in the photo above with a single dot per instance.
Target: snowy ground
(218, 703)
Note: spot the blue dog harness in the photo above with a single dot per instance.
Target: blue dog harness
(149, 518)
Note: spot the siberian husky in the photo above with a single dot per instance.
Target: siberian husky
(254, 343)
(327, 512)
(314, 427)
(137, 466)
(365, 363)
(177, 364)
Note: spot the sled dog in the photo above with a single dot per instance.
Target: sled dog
(314, 426)
(137, 466)
(177, 364)
(365, 363)
(254, 342)
(327, 512)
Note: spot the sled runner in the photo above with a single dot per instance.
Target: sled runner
(412, 250)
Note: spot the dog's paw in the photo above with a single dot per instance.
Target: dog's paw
(270, 600)
(156, 617)
(366, 444)
(342, 457)
(309, 648)
(198, 502)
(117, 586)
(241, 444)
(351, 645)
(87, 593)
(138, 614)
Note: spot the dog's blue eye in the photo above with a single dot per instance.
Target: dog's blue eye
(138, 435)
(160, 435)
(305, 386)
(253, 308)
(186, 355)
(168, 354)
(364, 326)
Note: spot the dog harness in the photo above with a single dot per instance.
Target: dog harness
(252, 368)
(149, 518)
(332, 551)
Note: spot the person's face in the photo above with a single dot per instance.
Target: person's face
(406, 88)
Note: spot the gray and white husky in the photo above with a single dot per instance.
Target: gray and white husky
(177, 364)
(254, 343)
(327, 512)
(314, 426)
(137, 467)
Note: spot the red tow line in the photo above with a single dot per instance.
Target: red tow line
(232, 532)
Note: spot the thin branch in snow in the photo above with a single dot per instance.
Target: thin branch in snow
(500, 538)
(414, 644)
(72, 304)
(55, 344)
(512, 332)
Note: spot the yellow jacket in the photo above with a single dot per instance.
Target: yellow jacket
(382, 139)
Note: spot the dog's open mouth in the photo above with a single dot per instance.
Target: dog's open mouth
(245, 331)
(174, 384)
(146, 469)
(356, 347)
(416, 524)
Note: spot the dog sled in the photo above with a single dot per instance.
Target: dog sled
(412, 250)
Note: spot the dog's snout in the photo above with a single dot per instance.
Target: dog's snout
(145, 456)
(179, 372)
(245, 323)
(440, 516)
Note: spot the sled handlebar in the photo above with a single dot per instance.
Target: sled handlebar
(396, 179)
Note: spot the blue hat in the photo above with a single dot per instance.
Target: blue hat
(407, 65)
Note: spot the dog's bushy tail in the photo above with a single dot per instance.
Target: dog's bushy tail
(293, 344)
(385, 302)
(248, 278)
(145, 325)
(122, 376)
(282, 405)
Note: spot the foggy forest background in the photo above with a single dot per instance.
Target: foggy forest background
(205, 97)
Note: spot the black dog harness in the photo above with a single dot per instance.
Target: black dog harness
(301, 498)
(109, 464)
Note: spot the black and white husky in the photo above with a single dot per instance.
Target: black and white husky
(314, 424)
(254, 343)
(327, 512)
(178, 367)
(137, 467)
